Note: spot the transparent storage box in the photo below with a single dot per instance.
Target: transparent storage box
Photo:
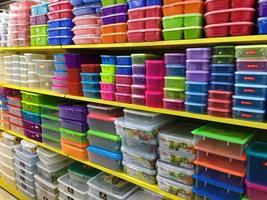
(46, 185)
(72, 187)
(24, 179)
(24, 172)
(110, 187)
(176, 158)
(10, 171)
(175, 188)
(140, 173)
(26, 192)
(9, 161)
(26, 166)
(178, 137)
(251, 52)
(138, 158)
(28, 146)
(222, 140)
(50, 159)
(7, 148)
(101, 123)
(139, 131)
(43, 194)
(142, 116)
(51, 121)
(178, 174)
(105, 110)
(25, 156)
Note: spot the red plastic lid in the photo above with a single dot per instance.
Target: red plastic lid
(101, 117)
(219, 110)
(220, 92)
(90, 65)
(220, 101)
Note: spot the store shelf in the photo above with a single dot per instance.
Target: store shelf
(12, 189)
(251, 39)
(250, 124)
(121, 175)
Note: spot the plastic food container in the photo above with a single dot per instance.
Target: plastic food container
(178, 189)
(119, 189)
(90, 77)
(195, 107)
(154, 99)
(200, 76)
(14, 101)
(25, 156)
(142, 160)
(114, 28)
(122, 88)
(248, 114)
(104, 110)
(107, 95)
(91, 93)
(249, 102)
(183, 8)
(73, 136)
(45, 185)
(101, 123)
(174, 82)
(107, 78)
(217, 5)
(14, 111)
(174, 58)
(87, 19)
(255, 191)
(73, 112)
(251, 65)
(223, 59)
(138, 89)
(196, 64)
(201, 87)
(251, 78)
(113, 9)
(250, 90)
(171, 93)
(138, 79)
(105, 158)
(154, 83)
(178, 174)
(222, 68)
(223, 86)
(114, 18)
(149, 147)
(175, 70)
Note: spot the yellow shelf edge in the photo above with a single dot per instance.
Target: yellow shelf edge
(231, 121)
(250, 39)
(12, 190)
(121, 175)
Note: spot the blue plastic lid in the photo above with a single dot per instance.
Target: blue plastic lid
(60, 63)
(88, 5)
(88, 82)
(4, 107)
(196, 93)
(218, 184)
(251, 86)
(258, 149)
(107, 56)
(59, 20)
(203, 193)
(59, 37)
(92, 91)
(222, 83)
(30, 113)
(89, 74)
(175, 66)
(249, 110)
(222, 65)
(105, 153)
(126, 66)
(251, 73)
(58, 28)
(196, 83)
(3, 99)
(249, 98)
(195, 104)
(222, 74)
(262, 18)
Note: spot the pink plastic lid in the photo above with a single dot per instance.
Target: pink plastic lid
(122, 94)
(58, 78)
(136, 9)
(229, 24)
(106, 92)
(220, 101)
(138, 96)
(139, 86)
(256, 186)
(229, 10)
(160, 94)
(59, 86)
(160, 78)
(219, 110)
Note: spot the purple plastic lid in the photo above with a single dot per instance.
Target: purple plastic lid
(81, 108)
(197, 61)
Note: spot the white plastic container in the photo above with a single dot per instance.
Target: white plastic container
(137, 158)
(9, 179)
(44, 67)
(174, 173)
(43, 194)
(103, 185)
(24, 165)
(26, 187)
(9, 161)
(140, 173)
(33, 76)
(10, 171)
(25, 156)
(7, 148)
(65, 196)
(31, 67)
(46, 185)
(10, 139)
(29, 57)
(46, 82)
(178, 189)
(24, 179)
(176, 158)
(178, 138)
(142, 116)
(34, 83)
(49, 158)
(28, 146)
(72, 187)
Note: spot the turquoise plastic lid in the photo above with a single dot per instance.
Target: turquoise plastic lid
(258, 149)
(102, 152)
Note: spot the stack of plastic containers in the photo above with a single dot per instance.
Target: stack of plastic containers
(174, 81)
(110, 187)
(114, 21)
(221, 161)
(38, 21)
(7, 168)
(87, 21)
(74, 130)
(123, 79)
(139, 143)
(73, 185)
(19, 20)
(60, 74)
(108, 71)
(25, 168)
(144, 22)
(15, 115)
(251, 83)
(229, 18)
(50, 167)
(105, 144)
(45, 69)
(155, 72)
(262, 14)
(4, 19)
(182, 19)
(222, 81)
(51, 124)
(256, 181)
(90, 79)
(8, 68)
(175, 166)
(198, 77)
(60, 23)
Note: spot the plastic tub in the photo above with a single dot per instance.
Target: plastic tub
(14, 101)
(136, 4)
(114, 28)
(86, 39)
(258, 78)
(192, 32)
(222, 68)
(223, 59)
(174, 82)
(90, 77)
(138, 89)
(201, 87)
(154, 99)
(87, 29)
(26, 157)
(212, 5)
(104, 110)
(124, 69)
(223, 86)
(250, 90)
(249, 114)
(183, 8)
(155, 68)
(107, 78)
(113, 9)
(114, 18)
(45, 185)
(120, 190)
(87, 19)
(73, 136)
(251, 65)
(73, 112)
(31, 117)
(154, 83)
(107, 95)
(197, 65)
(105, 158)
(14, 111)
(255, 191)
(175, 70)
(174, 173)
(249, 102)
(139, 69)
(138, 99)
(195, 107)
(61, 5)
(262, 8)
(177, 189)
(107, 86)
(101, 123)
(174, 58)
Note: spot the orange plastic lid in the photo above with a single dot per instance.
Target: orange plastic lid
(79, 145)
(101, 117)
(219, 110)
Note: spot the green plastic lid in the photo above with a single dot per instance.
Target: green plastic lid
(83, 170)
(50, 117)
(46, 136)
(175, 78)
(51, 106)
(224, 133)
(104, 135)
(71, 132)
(50, 128)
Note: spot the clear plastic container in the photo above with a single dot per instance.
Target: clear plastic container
(49, 158)
(105, 158)
(24, 165)
(101, 123)
(178, 138)
(142, 116)
(24, 172)
(251, 51)
(9, 161)
(133, 129)
(7, 147)
(175, 188)
(176, 158)
(15, 120)
(25, 156)
(46, 185)
(110, 187)
(144, 159)
(25, 180)
(14, 111)
(43, 194)
(28, 146)
(74, 188)
(142, 146)
(174, 173)
(105, 110)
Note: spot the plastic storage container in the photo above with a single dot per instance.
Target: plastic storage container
(255, 191)
(101, 123)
